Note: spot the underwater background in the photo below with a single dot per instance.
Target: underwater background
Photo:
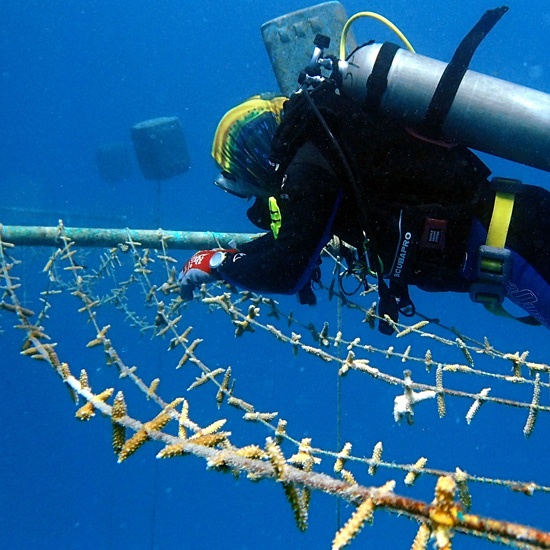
(75, 75)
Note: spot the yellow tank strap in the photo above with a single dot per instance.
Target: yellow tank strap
(500, 220)
(275, 214)
(500, 223)
(496, 236)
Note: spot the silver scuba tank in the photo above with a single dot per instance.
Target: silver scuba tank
(487, 114)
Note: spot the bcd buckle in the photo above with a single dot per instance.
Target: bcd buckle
(487, 293)
(494, 266)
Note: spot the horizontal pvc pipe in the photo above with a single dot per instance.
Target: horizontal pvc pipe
(148, 238)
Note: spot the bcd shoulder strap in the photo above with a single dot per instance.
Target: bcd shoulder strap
(449, 83)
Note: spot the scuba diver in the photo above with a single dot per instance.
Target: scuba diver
(408, 208)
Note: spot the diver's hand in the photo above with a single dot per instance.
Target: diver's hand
(200, 269)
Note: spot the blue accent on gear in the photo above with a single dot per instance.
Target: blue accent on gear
(526, 287)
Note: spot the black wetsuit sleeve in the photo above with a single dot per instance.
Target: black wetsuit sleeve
(309, 202)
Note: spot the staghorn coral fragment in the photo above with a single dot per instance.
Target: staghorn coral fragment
(151, 390)
(51, 260)
(32, 351)
(476, 405)
(118, 411)
(347, 476)
(132, 445)
(170, 325)
(209, 439)
(278, 462)
(170, 408)
(413, 474)
(363, 366)
(166, 258)
(439, 389)
(297, 505)
(422, 537)
(464, 348)
(280, 432)
(181, 339)
(276, 458)
(413, 328)
(151, 293)
(343, 455)
(88, 409)
(525, 488)
(387, 488)
(304, 458)
(158, 423)
(318, 353)
(85, 412)
(189, 352)
(518, 361)
(391, 322)
(211, 428)
(355, 523)
(428, 360)
(404, 404)
(252, 451)
(260, 417)
(353, 343)
(142, 435)
(444, 512)
(89, 305)
(306, 499)
(370, 316)
(170, 451)
(457, 368)
(221, 462)
(224, 387)
(182, 432)
(295, 343)
(205, 377)
(323, 336)
(240, 404)
(65, 373)
(533, 409)
(347, 364)
(185, 421)
(461, 479)
(277, 333)
(376, 457)
(100, 338)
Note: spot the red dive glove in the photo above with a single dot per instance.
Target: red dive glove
(201, 268)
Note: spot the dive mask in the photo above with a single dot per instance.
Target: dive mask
(238, 187)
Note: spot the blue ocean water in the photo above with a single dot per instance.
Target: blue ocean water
(76, 75)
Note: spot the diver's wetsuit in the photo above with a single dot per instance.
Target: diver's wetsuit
(404, 181)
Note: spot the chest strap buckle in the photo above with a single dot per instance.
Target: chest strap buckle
(494, 267)
(494, 262)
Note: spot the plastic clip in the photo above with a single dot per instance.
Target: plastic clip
(494, 266)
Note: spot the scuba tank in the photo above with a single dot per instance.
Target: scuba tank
(488, 114)
(442, 102)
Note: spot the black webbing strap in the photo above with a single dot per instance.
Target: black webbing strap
(377, 82)
(454, 73)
